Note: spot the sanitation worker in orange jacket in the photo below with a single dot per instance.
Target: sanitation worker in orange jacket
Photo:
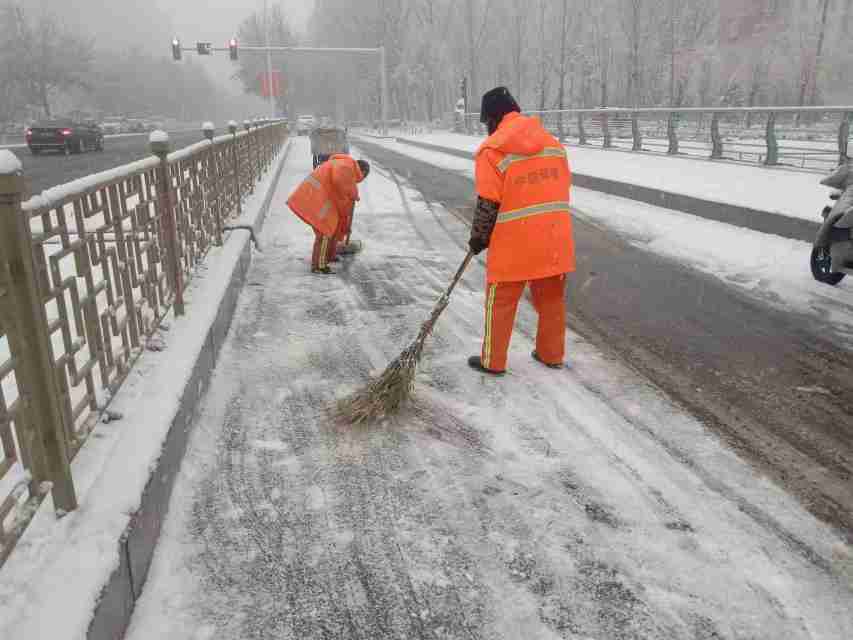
(523, 183)
(325, 201)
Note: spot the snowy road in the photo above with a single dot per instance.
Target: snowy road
(51, 169)
(727, 321)
(572, 504)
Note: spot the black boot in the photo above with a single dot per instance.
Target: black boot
(547, 364)
(476, 363)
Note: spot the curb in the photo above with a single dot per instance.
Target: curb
(115, 607)
(754, 219)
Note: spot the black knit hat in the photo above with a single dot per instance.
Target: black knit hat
(497, 103)
(364, 166)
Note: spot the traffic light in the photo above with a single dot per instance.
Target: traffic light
(232, 48)
(176, 49)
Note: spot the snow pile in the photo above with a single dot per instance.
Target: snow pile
(9, 163)
(797, 194)
(158, 136)
(770, 268)
(208, 126)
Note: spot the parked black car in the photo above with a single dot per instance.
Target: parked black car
(65, 136)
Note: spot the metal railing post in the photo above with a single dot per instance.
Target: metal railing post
(232, 127)
(259, 152)
(581, 131)
(844, 136)
(716, 139)
(44, 439)
(672, 134)
(212, 183)
(160, 147)
(636, 133)
(772, 144)
(248, 127)
(607, 142)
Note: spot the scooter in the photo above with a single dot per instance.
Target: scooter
(832, 253)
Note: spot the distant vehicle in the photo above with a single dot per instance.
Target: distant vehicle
(113, 126)
(65, 136)
(304, 124)
(135, 125)
(326, 142)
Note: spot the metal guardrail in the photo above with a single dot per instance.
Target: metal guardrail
(88, 271)
(812, 138)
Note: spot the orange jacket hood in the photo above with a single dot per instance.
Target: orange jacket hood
(518, 134)
(359, 176)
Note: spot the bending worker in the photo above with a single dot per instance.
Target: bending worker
(522, 217)
(325, 201)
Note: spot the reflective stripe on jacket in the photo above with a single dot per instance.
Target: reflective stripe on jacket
(525, 169)
(327, 196)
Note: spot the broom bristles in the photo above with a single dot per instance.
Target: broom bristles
(386, 394)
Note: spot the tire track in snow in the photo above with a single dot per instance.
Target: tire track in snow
(753, 511)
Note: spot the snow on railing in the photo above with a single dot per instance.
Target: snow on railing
(105, 258)
(805, 137)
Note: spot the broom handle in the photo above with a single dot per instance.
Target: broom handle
(459, 273)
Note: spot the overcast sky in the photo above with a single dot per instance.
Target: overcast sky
(216, 21)
(120, 24)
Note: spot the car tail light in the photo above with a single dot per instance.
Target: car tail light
(29, 133)
(66, 132)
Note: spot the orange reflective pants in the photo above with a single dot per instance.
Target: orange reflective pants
(501, 304)
(325, 250)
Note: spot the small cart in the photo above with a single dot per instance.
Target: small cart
(327, 141)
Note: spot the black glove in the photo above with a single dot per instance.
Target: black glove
(477, 245)
(485, 217)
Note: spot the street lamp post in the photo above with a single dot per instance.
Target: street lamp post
(269, 60)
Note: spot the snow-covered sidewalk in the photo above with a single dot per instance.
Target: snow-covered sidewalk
(781, 190)
(54, 579)
(545, 504)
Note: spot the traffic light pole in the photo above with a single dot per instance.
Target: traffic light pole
(269, 49)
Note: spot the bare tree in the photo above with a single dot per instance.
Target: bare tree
(818, 58)
(254, 30)
(632, 24)
(46, 57)
(564, 36)
(518, 20)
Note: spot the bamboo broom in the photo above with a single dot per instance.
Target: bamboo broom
(386, 394)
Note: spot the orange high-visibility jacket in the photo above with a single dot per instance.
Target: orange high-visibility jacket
(525, 169)
(327, 196)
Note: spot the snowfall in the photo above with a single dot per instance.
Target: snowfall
(771, 268)
(579, 503)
